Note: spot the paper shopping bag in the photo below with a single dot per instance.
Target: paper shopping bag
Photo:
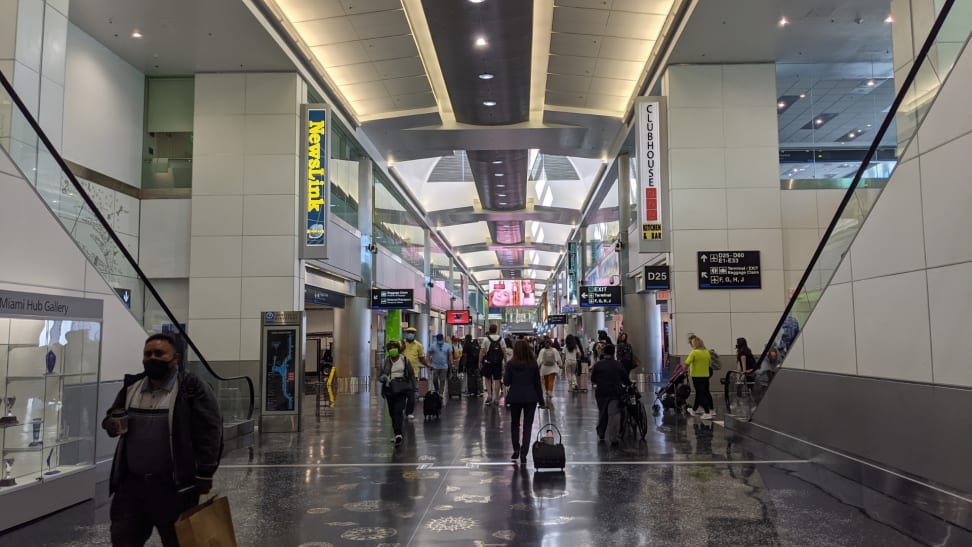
(208, 524)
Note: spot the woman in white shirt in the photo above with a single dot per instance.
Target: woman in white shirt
(572, 357)
(550, 366)
(397, 378)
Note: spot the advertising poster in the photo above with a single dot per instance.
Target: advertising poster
(315, 193)
(280, 370)
(652, 149)
(512, 293)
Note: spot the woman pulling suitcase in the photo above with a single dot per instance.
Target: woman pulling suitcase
(522, 377)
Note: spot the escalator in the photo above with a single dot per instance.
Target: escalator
(42, 166)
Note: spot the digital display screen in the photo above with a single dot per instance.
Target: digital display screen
(458, 317)
(512, 293)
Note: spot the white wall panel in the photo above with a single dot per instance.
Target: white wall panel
(103, 109)
(768, 299)
(217, 215)
(214, 298)
(267, 256)
(799, 209)
(891, 240)
(769, 243)
(749, 85)
(219, 94)
(798, 248)
(696, 85)
(950, 310)
(216, 256)
(753, 208)
(690, 299)
(217, 134)
(220, 174)
(270, 215)
(950, 117)
(270, 134)
(753, 167)
(748, 127)
(891, 321)
(687, 243)
(249, 339)
(695, 128)
(272, 93)
(756, 328)
(699, 209)
(217, 339)
(697, 168)
(164, 237)
(55, 45)
(267, 293)
(829, 336)
(946, 199)
(270, 174)
(713, 328)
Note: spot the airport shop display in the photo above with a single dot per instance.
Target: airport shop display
(50, 354)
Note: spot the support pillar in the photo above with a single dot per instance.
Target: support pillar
(423, 320)
(352, 325)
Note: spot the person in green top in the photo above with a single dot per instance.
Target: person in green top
(698, 362)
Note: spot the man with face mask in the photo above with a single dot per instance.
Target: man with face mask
(171, 440)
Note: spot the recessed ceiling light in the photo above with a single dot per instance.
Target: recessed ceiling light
(497, 162)
(489, 103)
(499, 174)
(868, 125)
(871, 83)
(819, 121)
(480, 41)
(851, 135)
(485, 76)
(476, 1)
(889, 19)
(501, 195)
(781, 104)
(501, 186)
(136, 34)
(783, 21)
(803, 95)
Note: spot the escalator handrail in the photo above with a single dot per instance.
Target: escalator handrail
(903, 91)
(8, 87)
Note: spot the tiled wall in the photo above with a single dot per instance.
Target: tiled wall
(902, 305)
(725, 195)
(243, 248)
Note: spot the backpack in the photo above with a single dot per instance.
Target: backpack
(494, 355)
(549, 359)
(714, 362)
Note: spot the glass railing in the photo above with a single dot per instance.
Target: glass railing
(946, 37)
(91, 228)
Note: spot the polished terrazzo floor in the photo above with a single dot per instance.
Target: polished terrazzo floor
(340, 482)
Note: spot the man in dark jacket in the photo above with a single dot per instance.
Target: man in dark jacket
(609, 377)
(159, 473)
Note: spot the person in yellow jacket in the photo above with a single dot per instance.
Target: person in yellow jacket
(698, 362)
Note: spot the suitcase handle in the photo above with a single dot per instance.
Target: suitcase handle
(550, 427)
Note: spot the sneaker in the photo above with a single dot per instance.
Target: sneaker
(411, 416)
(398, 439)
(516, 454)
(489, 402)
(708, 416)
(689, 411)
(523, 459)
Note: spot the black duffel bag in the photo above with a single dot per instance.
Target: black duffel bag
(549, 453)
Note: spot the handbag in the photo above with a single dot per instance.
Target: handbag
(398, 386)
(208, 524)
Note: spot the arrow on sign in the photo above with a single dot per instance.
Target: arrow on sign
(584, 296)
(705, 275)
(704, 258)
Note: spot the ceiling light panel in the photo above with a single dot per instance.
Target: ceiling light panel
(608, 44)
(363, 42)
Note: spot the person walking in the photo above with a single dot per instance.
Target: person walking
(625, 353)
(698, 362)
(522, 377)
(398, 382)
(440, 360)
(171, 441)
(550, 366)
(747, 364)
(415, 353)
(608, 377)
(572, 360)
(492, 358)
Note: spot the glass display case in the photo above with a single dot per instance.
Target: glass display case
(49, 371)
(50, 357)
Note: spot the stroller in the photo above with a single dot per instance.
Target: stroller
(675, 395)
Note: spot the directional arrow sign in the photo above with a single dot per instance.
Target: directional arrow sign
(600, 296)
(729, 270)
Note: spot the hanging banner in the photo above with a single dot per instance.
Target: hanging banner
(314, 179)
(652, 167)
(573, 270)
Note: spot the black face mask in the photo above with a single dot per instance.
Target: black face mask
(156, 369)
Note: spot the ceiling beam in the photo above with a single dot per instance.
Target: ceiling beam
(467, 215)
(480, 247)
(489, 267)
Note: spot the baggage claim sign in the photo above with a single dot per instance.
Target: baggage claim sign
(315, 197)
(652, 149)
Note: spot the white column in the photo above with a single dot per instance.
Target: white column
(725, 195)
(243, 257)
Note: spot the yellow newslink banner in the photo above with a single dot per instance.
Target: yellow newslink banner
(316, 189)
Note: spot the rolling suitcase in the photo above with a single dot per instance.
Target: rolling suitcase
(548, 451)
(432, 405)
(455, 384)
(474, 382)
(423, 387)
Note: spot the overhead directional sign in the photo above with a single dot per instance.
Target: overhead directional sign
(729, 270)
(556, 319)
(600, 296)
(657, 278)
(392, 299)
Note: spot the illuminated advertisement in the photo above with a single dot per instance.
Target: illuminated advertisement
(512, 293)
(606, 270)
(315, 190)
